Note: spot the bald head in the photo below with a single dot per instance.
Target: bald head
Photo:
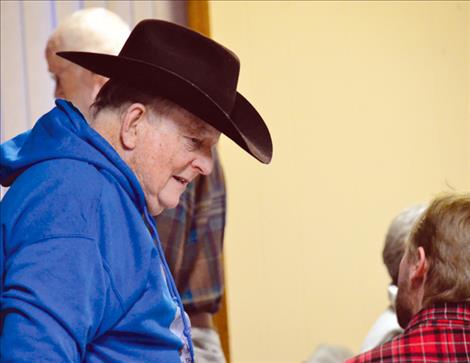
(90, 30)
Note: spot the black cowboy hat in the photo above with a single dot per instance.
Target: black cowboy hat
(190, 69)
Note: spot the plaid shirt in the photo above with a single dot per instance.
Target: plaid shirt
(440, 334)
(192, 236)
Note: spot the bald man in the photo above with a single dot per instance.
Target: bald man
(91, 30)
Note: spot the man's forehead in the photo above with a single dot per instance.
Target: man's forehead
(201, 127)
(195, 125)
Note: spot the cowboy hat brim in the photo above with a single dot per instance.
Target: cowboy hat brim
(243, 125)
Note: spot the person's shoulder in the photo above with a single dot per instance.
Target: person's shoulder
(385, 353)
(65, 169)
(54, 197)
(384, 329)
(59, 176)
(55, 180)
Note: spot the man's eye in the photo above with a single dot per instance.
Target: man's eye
(194, 141)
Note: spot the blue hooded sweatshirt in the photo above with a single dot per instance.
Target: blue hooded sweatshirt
(83, 276)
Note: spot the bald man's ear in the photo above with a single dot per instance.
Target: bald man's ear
(97, 82)
(131, 123)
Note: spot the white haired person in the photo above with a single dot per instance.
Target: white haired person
(433, 299)
(386, 326)
(83, 275)
(192, 233)
(90, 30)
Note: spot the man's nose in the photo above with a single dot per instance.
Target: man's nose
(204, 162)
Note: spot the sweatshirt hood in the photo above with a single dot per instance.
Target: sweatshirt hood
(63, 133)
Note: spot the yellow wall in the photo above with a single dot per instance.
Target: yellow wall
(367, 103)
(468, 89)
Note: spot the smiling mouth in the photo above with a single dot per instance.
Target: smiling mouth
(181, 180)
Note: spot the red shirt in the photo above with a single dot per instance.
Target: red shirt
(440, 334)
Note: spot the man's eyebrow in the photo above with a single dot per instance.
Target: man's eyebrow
(196, 126)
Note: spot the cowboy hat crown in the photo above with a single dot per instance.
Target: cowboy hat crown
(191, 70)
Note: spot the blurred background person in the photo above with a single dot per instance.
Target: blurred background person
(325, 353)
(433, 299)
(90, 30)
(192, 233)
(386, 326)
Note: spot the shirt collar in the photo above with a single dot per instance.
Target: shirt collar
(457, 312)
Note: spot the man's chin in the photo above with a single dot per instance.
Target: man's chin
(163, 201)
(155, 210)
(155, 207)
(169, 203)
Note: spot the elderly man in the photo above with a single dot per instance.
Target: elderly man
(83, 273)
(88, 30)
(386, 326)
(192, 233)
(433, 300)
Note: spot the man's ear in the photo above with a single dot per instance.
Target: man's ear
(131, 123)
(98, 82)
(419, 268)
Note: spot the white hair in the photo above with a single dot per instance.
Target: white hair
(92, 30)
(396, 238)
